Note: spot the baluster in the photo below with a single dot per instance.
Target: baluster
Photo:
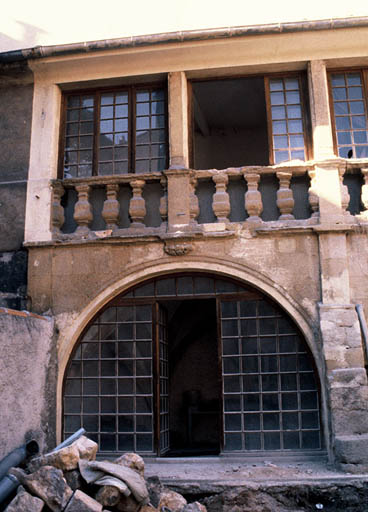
(252, 197)
(312, 194)
(137, 207)
(82, 210)
(345, 196)
(364, 196)
(57, 211)
(285, 200)
(221, 201)
(193, 202)
(163, 202)
(111, 207)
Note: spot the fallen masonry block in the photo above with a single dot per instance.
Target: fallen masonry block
(194, 507)
(67, 458)
(132, 461)
(172, 500)
(81, 502)
(108, 496)
(48, 484)
(73, 479)
(128, 504)
(25, 502)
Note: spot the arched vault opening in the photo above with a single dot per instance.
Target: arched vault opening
(194, 363)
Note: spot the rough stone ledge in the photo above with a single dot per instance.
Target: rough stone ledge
(352, 450)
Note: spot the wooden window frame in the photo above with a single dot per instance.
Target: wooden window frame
(364, 74)
(96, 94)
(304, 104)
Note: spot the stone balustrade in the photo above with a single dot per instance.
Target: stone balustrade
(185, 200)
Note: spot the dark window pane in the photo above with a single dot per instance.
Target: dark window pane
(288, 382)
(144, 404)
(308, 400)
(230, 346)
(290, 420)
(272, 441)
(144, 442)
(233, 442)
(251, 403)
(231, 365)
(73, 387)
(311, 440)
(90, 405)
(107, 442)
(108, 404)
(232, 402)
(269, 363)
(125, 386)
(126, 443)
(310, 420)
(126, 423)
(90, 423)
(271, 421)
(270, 402)
(291, 440)
(125, 404)
(250, 383)
(232, 422)
(269, 383)
(252, 441)
(108, 368)
(252, 421)
(250, 364)
(289, 401)
(231, 384)
(125, 368)
(72, 423)
(108, 423)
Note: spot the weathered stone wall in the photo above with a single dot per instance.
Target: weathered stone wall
(16, 91)
(27, 385)
(67, 278)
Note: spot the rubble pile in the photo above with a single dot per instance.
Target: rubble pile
(72, 480)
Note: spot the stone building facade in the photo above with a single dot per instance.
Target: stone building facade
(196, 225)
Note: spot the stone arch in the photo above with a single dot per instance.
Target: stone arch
(227, 269)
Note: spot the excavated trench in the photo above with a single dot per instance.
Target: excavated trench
(261, 487)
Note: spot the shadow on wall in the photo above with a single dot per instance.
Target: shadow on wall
(29, 36)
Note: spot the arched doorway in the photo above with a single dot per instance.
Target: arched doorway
(193, 364)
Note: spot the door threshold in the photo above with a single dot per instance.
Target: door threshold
(244, 458)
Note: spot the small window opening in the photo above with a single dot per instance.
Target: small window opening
(230, 123)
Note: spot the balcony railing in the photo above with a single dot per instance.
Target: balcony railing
(136, 205)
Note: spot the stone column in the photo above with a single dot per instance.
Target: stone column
(178, 194)
(320, 110)
(253, 198)
(178, 120)
(57, 214)
(327, 184)
(82, 210)
(137, 206)
(342, 349)
(111, 207)
(221, 201)
(285, 200)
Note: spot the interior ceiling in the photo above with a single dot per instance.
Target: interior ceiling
(235, 103)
